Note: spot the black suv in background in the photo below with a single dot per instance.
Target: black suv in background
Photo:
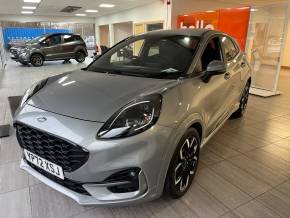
(50, 47)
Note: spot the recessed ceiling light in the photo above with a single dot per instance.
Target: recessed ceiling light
(29, 7)
(210, 11)
(254, 9)
(26, 12)
(104, 5)
(32, 1)
(81, 15)
(92, 11)
(186, 15)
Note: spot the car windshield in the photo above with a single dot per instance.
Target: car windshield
(36, 39)
(149, 56)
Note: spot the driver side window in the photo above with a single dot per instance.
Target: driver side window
(211, 52)
(53, 40)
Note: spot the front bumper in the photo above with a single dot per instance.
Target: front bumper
(148, 151)
(22, 58)
(99, 193)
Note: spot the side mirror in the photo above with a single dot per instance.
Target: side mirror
(44, 44)
(216, 68)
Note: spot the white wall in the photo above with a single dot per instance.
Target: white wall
(146, 13)
(35, 18)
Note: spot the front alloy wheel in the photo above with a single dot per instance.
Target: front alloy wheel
(36, 60)
(183, 164)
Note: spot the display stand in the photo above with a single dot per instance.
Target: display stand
(264, 93)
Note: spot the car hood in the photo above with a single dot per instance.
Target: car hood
(93, 96)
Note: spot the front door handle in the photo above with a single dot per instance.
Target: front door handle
(227, 76)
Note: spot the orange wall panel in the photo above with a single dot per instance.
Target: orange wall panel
(233, 21)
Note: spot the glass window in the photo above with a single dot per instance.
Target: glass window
(230, 49)
(149, 57)
(154, 26)
(68, 38)
(53, 40)
(211, 53)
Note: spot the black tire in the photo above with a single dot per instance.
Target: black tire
(36, 60)
(183, 165)
(24, 63)
(80, 57)
(243, 102)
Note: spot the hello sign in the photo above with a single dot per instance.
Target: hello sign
(233, 21)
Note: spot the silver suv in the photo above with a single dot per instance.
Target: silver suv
(50, 47)
(130, 126)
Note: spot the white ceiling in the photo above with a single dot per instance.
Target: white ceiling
(53, 7)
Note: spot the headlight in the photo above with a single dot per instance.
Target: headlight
(32, 90)
(133, 118)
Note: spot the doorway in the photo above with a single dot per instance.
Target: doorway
(105, 35)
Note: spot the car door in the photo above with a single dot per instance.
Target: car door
(51, 47)
(235, 65)
(68, 45)
(215, 90)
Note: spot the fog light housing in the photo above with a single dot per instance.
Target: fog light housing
(129, 179)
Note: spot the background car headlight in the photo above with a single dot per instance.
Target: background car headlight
(32, 90)
(133, 118)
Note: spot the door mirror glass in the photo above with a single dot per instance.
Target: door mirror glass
(43, 44)
(216, 68)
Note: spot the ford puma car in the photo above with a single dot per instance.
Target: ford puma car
(130, 126)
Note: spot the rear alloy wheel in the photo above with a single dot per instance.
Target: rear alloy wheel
(243, 102)
(80, 57)
(183, 165)
(36, 60)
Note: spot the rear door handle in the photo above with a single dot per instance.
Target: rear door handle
(227, 76)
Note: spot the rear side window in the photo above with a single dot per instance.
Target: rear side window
(77, 37)
(230, 48)
(68, 38)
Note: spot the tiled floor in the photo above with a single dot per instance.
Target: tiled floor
(244, 169)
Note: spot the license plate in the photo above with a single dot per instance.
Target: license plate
(44, 164)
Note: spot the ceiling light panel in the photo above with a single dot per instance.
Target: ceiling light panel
(104, 5)
(32, 1)
(26, 12)
(92, 11)
(29, 7)
(81, 15)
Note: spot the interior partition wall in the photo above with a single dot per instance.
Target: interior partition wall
(265, 45)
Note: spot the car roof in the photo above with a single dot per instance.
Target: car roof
(53, 34)
(186, 32)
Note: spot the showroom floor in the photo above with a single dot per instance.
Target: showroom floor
(244, 170)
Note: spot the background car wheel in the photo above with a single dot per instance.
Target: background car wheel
(80, 57)
(183, 164)
(243, 102)
(36, 60)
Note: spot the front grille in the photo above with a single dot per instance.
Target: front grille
(65, 154)
(70, 184)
